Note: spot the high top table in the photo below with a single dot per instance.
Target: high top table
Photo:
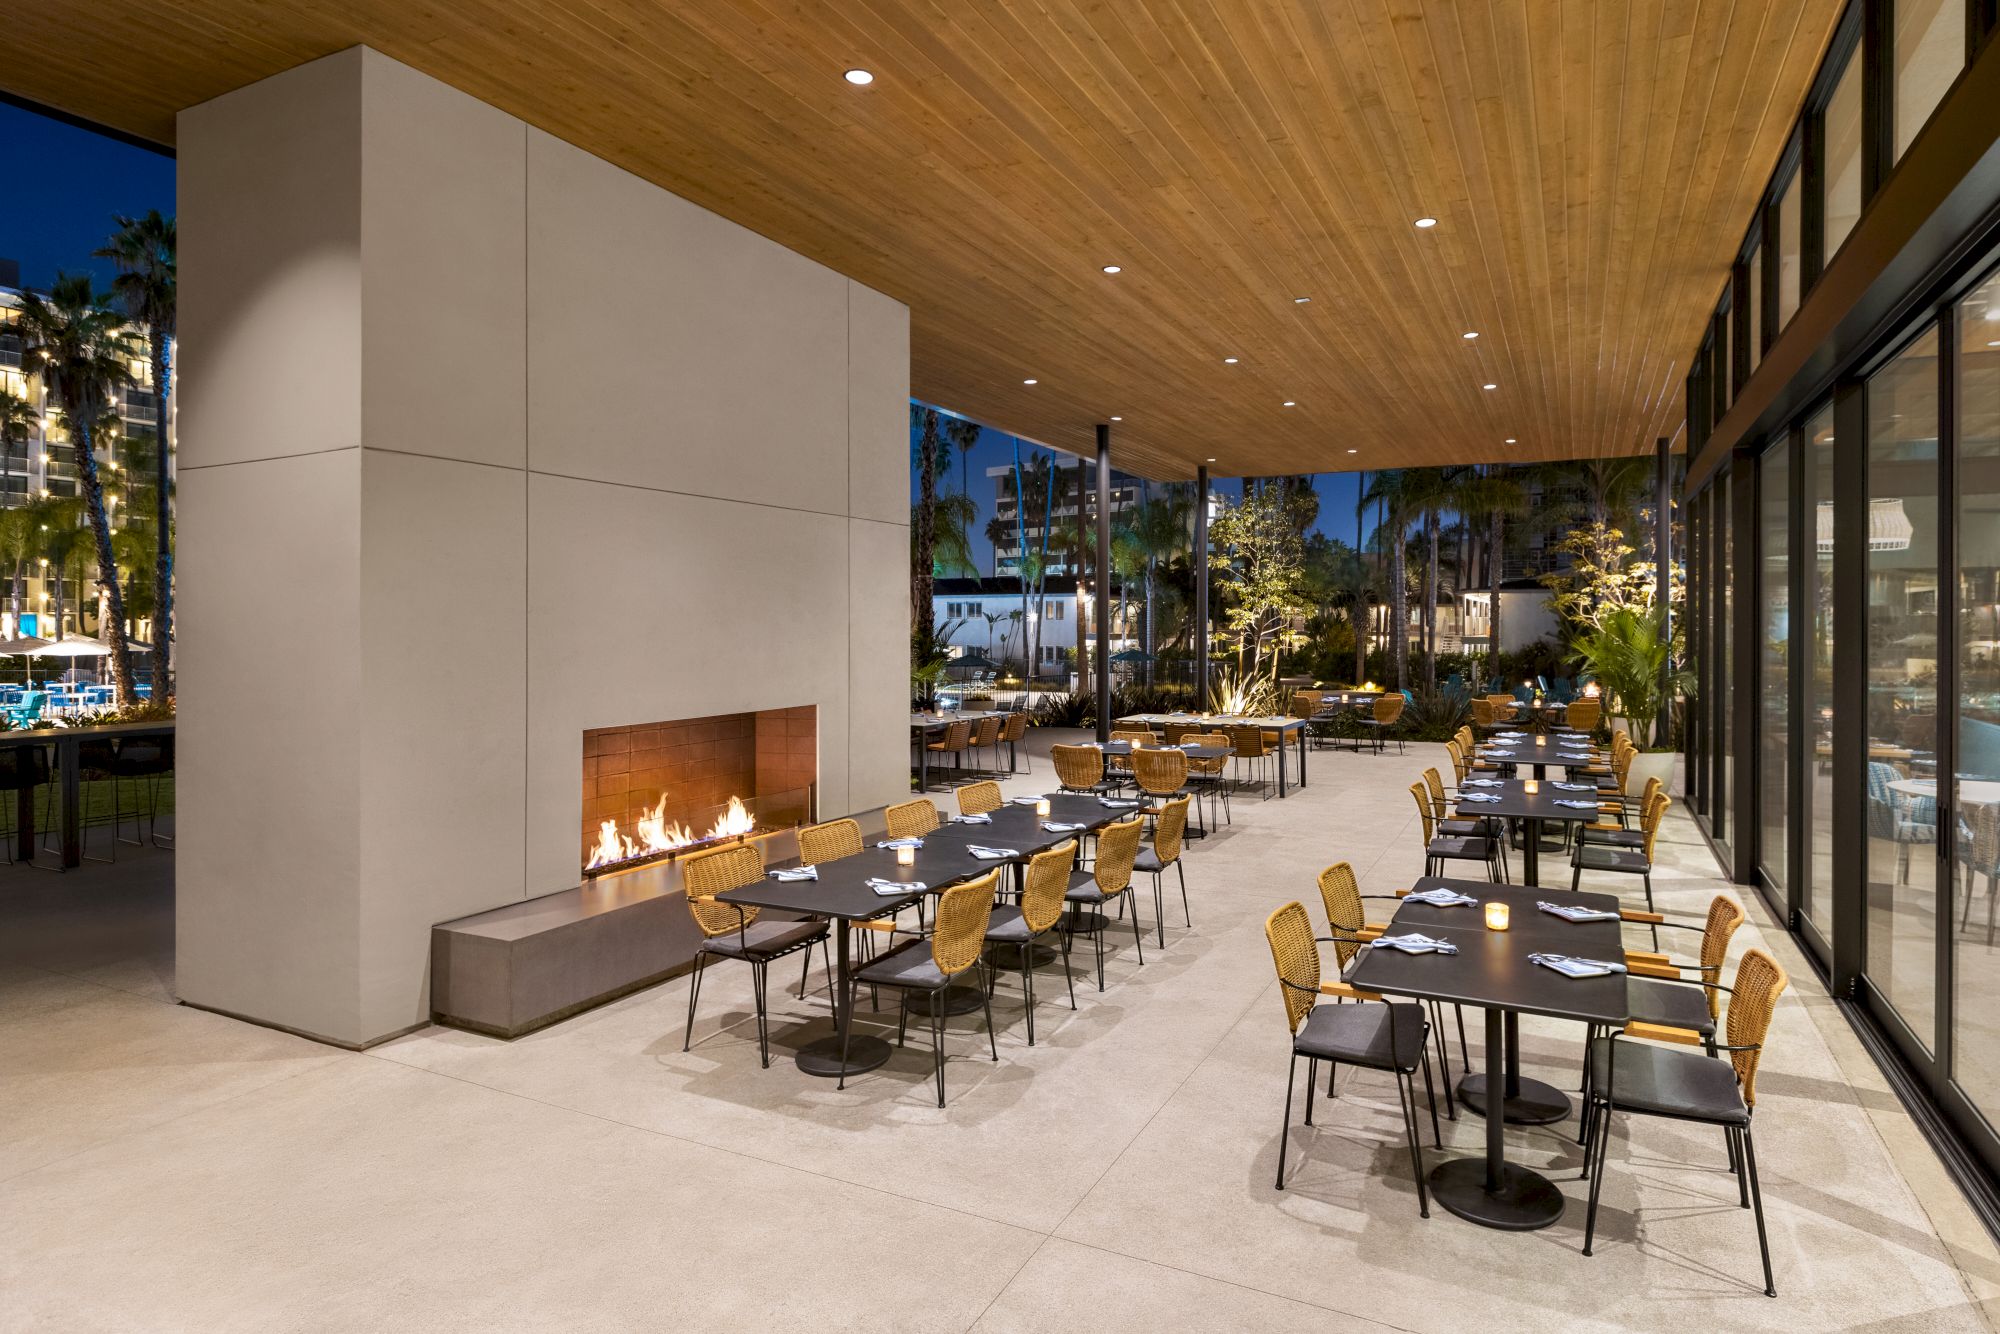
(843, 895)
(1492, 970)
(1283, 726)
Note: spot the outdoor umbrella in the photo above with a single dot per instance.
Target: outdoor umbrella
(10, 648)
(973, 662)
(1132, 655)
(71, 646)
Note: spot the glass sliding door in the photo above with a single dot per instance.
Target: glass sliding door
(1902, 904)
(1774, 648)
(1722, 778)
(1815, 645)
(1975, 1009)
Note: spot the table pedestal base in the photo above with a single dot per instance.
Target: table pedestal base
(822, 1056)
(1525, 1201)
(1536, 1104)
(957, 1000)
(1007, 958)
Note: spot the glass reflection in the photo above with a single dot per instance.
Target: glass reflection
(1816, 798)
(1842, 132)
(1773, 697)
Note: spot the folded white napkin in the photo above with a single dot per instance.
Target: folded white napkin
(881, 886)
(1061, 826)
(1575, 787)
(1569, 967)
(796, 873)
(1440, 897)
(1093, 745)
(1508, 736)
(1110, 804)
(1497, 755)
(1477, 796)
(1484, 782)
(1410, 942)
(900, 843)
(987, 854)
(1576, 805)
(981, 818)
(1029, 801)
(1576, 912)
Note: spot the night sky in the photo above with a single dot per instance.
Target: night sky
(60, 186)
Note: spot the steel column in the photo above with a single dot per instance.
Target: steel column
(1102, 572)
(1200, 608)
(1663, 557)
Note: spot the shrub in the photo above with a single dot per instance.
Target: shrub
(1433, 715)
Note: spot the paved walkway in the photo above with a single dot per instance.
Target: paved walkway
(162, 1168)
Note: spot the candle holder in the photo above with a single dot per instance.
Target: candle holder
(1541, 741)
(1531, 787)
(1496, 917)
(906, 856)
(1042, 808)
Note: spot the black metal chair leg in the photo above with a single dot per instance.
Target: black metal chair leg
(937, 1036)
(694, 994)
(992, 1041)
(1757, 1203)
(1406, 1094)
(1285, 1127)
(763, 1034)
(1312, 1079)
(1595, 1163)
(1430, 1096)
(1137, 939)
(1186, 912)
(1069, 978)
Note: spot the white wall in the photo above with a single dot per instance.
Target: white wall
(486, 442)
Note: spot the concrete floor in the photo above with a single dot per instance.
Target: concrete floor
(162, 1168)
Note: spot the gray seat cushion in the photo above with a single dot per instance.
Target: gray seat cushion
(1600, 857)
(1669, 1004)
(1083, 888)
(1149, 860)
(1460, 828)
(1459, 846)
(1667, 1081)
(1616, 838)
(1359, 1034)
(764, 939)
(1007, 926)
(908, 965)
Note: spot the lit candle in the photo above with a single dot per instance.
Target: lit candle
(906, 856)
(1496, 917)
(1531, 787)
(1042, 807)
(1541, 741)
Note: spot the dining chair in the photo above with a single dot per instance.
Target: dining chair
(1250, 750)
(1023, 926)
(1169, 841)
(1080, 769)
(1013, 731)
(1979, 854)
(831, 841)
(1392, 1037)
(732, 931)
(1904, 820)
(1584, 714)
(1610, 828)
(1667, 1005)
(1442, 848)
(986, 736)
(1161, 775)
(957, 736)
(956, 944)
(1642, 1079)
(1119, 767)
(1209, 775)
(912, 819)
(1453, 826)
(1384, 722)
(1090, 892)
(1625, 861)
(979, 798)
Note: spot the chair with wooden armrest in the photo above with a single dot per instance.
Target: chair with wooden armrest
(1347, 917)
(731, 931)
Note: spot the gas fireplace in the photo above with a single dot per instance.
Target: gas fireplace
(657, 790)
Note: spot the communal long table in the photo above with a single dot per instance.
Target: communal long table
(843, 895)
(1492, 970)
(67, 743)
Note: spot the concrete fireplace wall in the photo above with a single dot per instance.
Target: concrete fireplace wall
(486, 443)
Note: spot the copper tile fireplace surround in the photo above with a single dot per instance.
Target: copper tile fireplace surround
(652, 792)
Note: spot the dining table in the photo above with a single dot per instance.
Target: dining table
(1285, 726)
(843, 895)
(1513, 799)
(1541, 753)
(1492, 969)
(1194, 751)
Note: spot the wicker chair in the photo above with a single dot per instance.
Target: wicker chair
(1095, 890)
(1210, 775)
(930, 964)
(912, 819)
(1039, 912)
(730, 931)
(1251, 750)
(1636, 1077)
(1175, 733)
(979, 798)
(1013, 731)
(957, 736)
(1625, 861)
(1665, 1005)
(1080, 769)
(1584, 714)
(1442, 848)
(1341, 897)
(1392, 1037)
(830, 842)
(986, 736)
(1119, 767)
(1454, 826)
(1169, 840)
(1386, 721)
(1161, 775)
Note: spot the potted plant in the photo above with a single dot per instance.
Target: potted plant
(1628, 653)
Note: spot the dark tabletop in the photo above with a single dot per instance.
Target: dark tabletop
(1492, 968)
(1272, 724)
(1516, 804)
(1192, 752)
(842, 890)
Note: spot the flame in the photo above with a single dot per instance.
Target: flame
(654, 833)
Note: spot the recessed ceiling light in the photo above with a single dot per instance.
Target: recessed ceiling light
(1229, 361)
(1290, 403)
(1510, 439)
(1427, 222)
(1118, 419)
(1994, 343)
(1489, 386)
(1301, 300)
(1211, 460)
(1469, 335)
(1112, 268)
(1027, 382)
(1354, 451)
(859, 77)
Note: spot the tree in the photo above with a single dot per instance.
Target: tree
(1492, 493)
(1148, 534)
(1602, 581)
(1391, 492)
(1257, 548)
(144, 249)
(80, 347)
(1425, 492)
(951, 525)
(1358, 612)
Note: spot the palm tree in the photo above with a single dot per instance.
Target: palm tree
(1426, 492)
(1391, 492)
(1494, 494)
(62, 542)
(144, 249)
(80, 347)
(1357, 614)
(17, 422)
(1148, 533)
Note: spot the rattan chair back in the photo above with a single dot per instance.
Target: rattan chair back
(986, 731)
(1724, 916)
(1297, 958)
(1423, 800)
(1482, 713)
(1435, 784)
(1389, 708)
(1078, 766)
(1117, 849)
(1654, 815)
(1305, 703)
(1176, 733)
(1584, 714)
(1047, 883)
(1248, 742)
(964, 911)
(707, 874)
(829, 842)
(1760, 980)
(912, 819)
(1138, 736)
(1456, 754)
(1014, 726)
(1340, 894)
(957, 735)
(1214, 764)
(1160, 773)
(1170, 830)
(1465, 739)
(979, 798)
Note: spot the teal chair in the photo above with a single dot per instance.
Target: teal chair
(29, 709)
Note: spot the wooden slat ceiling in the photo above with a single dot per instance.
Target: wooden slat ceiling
(1592, 164)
